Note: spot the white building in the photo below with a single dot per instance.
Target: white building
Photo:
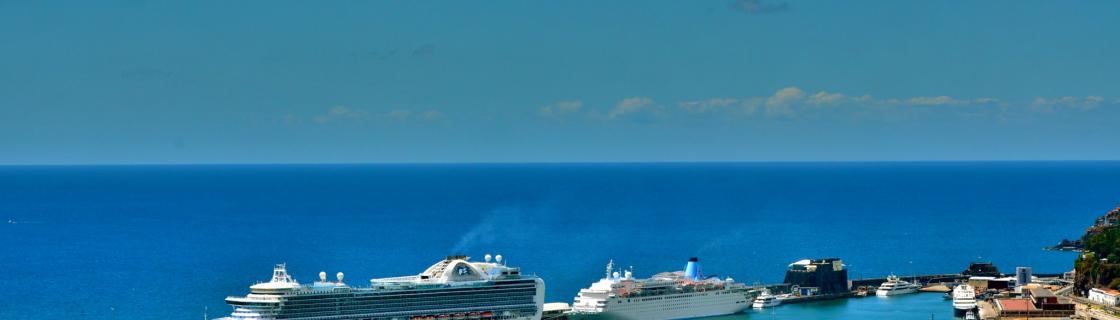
(1105, 297)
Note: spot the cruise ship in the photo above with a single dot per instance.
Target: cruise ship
(964, 299)
(454, 288)
(896, 286)
(667, 295)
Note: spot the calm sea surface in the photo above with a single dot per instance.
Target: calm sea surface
(165, 242)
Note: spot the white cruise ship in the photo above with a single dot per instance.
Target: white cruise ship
(964, 299)
(896, 286)
(454, 288)
(667, 295)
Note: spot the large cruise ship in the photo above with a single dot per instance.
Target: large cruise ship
(454, 288)
(964, 299)
(667, 295)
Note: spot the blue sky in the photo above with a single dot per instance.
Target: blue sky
(559, 81)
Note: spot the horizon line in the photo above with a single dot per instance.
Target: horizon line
(158, 164)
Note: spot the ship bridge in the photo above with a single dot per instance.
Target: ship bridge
(456, 269)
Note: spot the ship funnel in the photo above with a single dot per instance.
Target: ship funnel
(692, 270)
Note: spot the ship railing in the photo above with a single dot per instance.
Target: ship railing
(397, 279)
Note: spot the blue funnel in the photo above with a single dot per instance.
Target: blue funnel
(692, 271)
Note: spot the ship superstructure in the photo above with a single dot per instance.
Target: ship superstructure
(964, 299)
(667, 295)
(454, 288)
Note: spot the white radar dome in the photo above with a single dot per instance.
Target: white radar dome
(339, 275)
(498, 258)
(322, 276)
(487, 257)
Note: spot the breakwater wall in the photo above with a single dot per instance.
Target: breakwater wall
(923, 279)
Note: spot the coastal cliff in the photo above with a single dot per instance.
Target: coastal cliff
(1099, 264)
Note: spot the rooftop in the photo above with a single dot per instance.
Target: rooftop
(1111, 292)
(1041, 293)
(1015, 304)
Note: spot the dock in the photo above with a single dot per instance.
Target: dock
(813, 280)
(923, 279)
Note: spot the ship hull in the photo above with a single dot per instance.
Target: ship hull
(670, 307)
(885, 293)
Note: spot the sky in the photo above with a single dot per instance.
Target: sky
(139, 82)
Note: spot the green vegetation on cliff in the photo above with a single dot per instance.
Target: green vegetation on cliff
(1099, 264)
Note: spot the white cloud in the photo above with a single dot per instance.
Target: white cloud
(561, 108)
(1092, 102)
(750, 105)
(985, 101)
(705, 106)
(781, 103)
(934, 101)
(340, 113)
(785, 97)
(400, 114)
(826, 98)
(793, 102)
(758, 6)
(1066, 103)
(432, 115)
(630, 105)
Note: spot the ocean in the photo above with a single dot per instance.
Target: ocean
(170, 242)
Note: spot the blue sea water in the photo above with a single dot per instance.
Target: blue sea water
(165, 242)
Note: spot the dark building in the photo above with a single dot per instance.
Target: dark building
(1046, 300)
(981, 269)
(829, 275)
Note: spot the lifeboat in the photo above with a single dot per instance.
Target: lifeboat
(487, 314)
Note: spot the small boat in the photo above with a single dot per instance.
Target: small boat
(766, 300)
(971, 315)
(896, 286)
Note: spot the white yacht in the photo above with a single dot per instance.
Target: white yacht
(454, 288)
(964, 299)
(896, 286)
(766, 300)
(667, 295)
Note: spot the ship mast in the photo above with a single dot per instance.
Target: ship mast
(610, 267)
